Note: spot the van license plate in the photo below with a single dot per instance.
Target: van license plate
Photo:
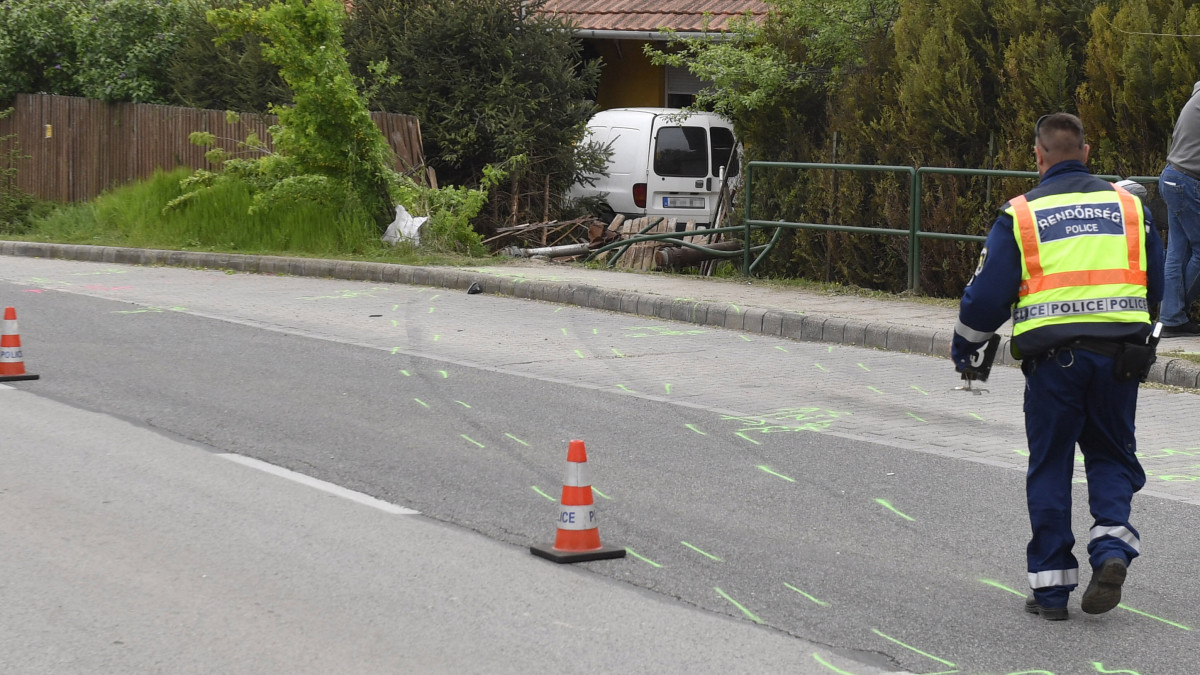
(683, 202)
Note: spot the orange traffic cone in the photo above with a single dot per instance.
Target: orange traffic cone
(12, 366)
(578, 538)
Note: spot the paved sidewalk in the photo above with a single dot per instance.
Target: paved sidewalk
(895, 324)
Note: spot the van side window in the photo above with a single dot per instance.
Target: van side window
(723, 152)
(681, 151)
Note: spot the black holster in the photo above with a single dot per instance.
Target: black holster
(1130, 361)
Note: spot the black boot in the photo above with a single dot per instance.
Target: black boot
(1104, 590)
(1048, 613)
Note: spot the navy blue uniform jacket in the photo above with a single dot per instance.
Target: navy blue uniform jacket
(991, 293)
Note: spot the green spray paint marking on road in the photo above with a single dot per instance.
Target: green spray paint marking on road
(579, 354)
(445, 375)
(1021, 451)
(864, 367)
(829, 350)
(395, 307)
(564, 330)
(621, 386)
(1151, 616)
(875, 390)
(396, 349)
(820, 366)
(1002, 587)
(619, 354)
(639, 557)
(915, 417)
(406, 373)
(595, 331)
(693, 428)
(779, 475)
(913, 386)
(1100, 669)
(600, 493)
(436, 338)
(819, 602)
(517, 440)
(421, 402)
(668, 387)
(927, 655)
(887, 505)
(738, 433)
(395, 323)
(709, 555)
(736, 308)
(431, 310)
(462, 404)
(745, 338)
(535, 489)
(976, 416)
(559, 310)
(472, 440)
(830, 666)
(435, 297)
(780, 349)
(735, 603)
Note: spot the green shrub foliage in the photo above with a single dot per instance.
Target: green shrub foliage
(951, 83)
(113, 50)
(326, 144)
(230, 74)
(490, 80)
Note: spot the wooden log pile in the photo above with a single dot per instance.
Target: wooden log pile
(575, 239)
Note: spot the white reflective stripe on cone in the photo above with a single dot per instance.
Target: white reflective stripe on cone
(577, 475)
(10, 327)
(1119, 532)
(576, 517)
(10, 354)
(1054, 578)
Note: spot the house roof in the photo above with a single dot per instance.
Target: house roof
(651, 15)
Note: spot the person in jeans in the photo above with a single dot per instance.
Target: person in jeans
(1077, 266)
(1179, 186)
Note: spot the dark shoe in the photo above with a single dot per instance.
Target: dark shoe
(1104, 590)
(1048, 613)
(1189, 329)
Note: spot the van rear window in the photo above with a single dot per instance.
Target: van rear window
(681, 151)
(722, 152)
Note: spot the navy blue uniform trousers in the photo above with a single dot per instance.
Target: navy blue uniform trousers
(1072, 396)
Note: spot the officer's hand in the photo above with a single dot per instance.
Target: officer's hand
(963, 351)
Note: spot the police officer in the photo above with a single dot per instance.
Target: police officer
(1078, 264)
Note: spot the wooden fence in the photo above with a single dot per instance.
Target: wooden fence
(79, 147)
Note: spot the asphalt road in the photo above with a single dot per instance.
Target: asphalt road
(824, 502)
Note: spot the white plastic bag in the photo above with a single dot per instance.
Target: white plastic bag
(404, 228)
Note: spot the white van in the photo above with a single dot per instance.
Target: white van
(665, 162)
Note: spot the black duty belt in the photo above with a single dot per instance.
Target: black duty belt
(1109, 348)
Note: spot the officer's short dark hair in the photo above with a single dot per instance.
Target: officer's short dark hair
(1059, 133)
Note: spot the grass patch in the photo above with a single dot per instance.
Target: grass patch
(220, 221)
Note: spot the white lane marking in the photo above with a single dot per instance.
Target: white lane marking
(319, 484)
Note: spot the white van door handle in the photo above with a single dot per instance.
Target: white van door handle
(708, 184)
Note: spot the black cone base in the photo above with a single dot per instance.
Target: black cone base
(14, 378)
(550, 553)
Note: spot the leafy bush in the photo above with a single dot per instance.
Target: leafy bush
(113, 50)
(230, 75)
(490, 80)
(37, 48)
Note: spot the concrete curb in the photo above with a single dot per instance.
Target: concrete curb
(766, 321)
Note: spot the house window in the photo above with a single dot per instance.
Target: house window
(682, 87)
